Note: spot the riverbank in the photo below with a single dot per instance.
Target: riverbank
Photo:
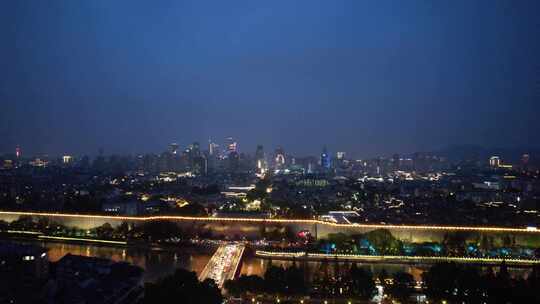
(411, 260)
(183, 247)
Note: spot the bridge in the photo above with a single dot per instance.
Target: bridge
(224, 264)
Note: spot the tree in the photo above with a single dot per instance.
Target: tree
(402, 287)
(122, 230)
(455, 283)
(500, 289)
(23, 223)
(362, 283)
(485, 245)
(455, 243)
(160, 230)
(105, 231)
(294, 278)
(471, 286)
(184, 287)
(384, 242)
(440, 281)
(43, 223)
(4, 226)
(341, 241)
(245, 284)
(274, 278)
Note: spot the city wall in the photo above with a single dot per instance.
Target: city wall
(254, 229)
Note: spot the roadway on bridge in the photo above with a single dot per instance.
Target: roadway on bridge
(224, 264)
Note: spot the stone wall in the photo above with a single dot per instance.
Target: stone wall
(253, 230)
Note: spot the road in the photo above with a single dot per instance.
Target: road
(224, 264)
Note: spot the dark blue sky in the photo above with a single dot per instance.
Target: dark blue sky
(366, 77)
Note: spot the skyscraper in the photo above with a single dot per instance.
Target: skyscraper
(232, 145)
(396, 162)
(234, 161)
(525, 161)
(259, 158)
(325, 159)
(212, 147)
(495, 161)
(200, 165)
(279, 158)
(174, 148)
(196, 149)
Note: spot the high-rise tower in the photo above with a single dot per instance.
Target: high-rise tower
(280, 157)
(259, 158)
(174, 148)
(325, 158)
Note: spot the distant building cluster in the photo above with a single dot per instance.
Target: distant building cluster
(222, 178)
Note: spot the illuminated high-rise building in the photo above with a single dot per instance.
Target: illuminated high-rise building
(495, 161)
(174, 148)
(325, 159)
(212, 147)
(279, 158)
(259, 158)
(232, 145)
(67, 159)
(340, 155)
(18, 152)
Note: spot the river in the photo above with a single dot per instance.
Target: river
(158, 263)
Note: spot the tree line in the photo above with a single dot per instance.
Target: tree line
(441, 283)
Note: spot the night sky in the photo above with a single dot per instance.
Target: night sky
(366, 77)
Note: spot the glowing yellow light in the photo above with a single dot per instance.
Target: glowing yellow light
(433, 259)
(24, 232)
(263, 220)
(82, 240)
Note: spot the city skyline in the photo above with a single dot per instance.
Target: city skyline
(223, 148)
(249, 152)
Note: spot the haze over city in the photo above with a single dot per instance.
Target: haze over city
(278, 152)
(369, 78)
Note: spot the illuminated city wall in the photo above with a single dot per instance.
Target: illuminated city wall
(253, 228)
(419, 235)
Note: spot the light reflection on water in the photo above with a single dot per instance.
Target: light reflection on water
(256, 266)
(155, 263)
(161, 263)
